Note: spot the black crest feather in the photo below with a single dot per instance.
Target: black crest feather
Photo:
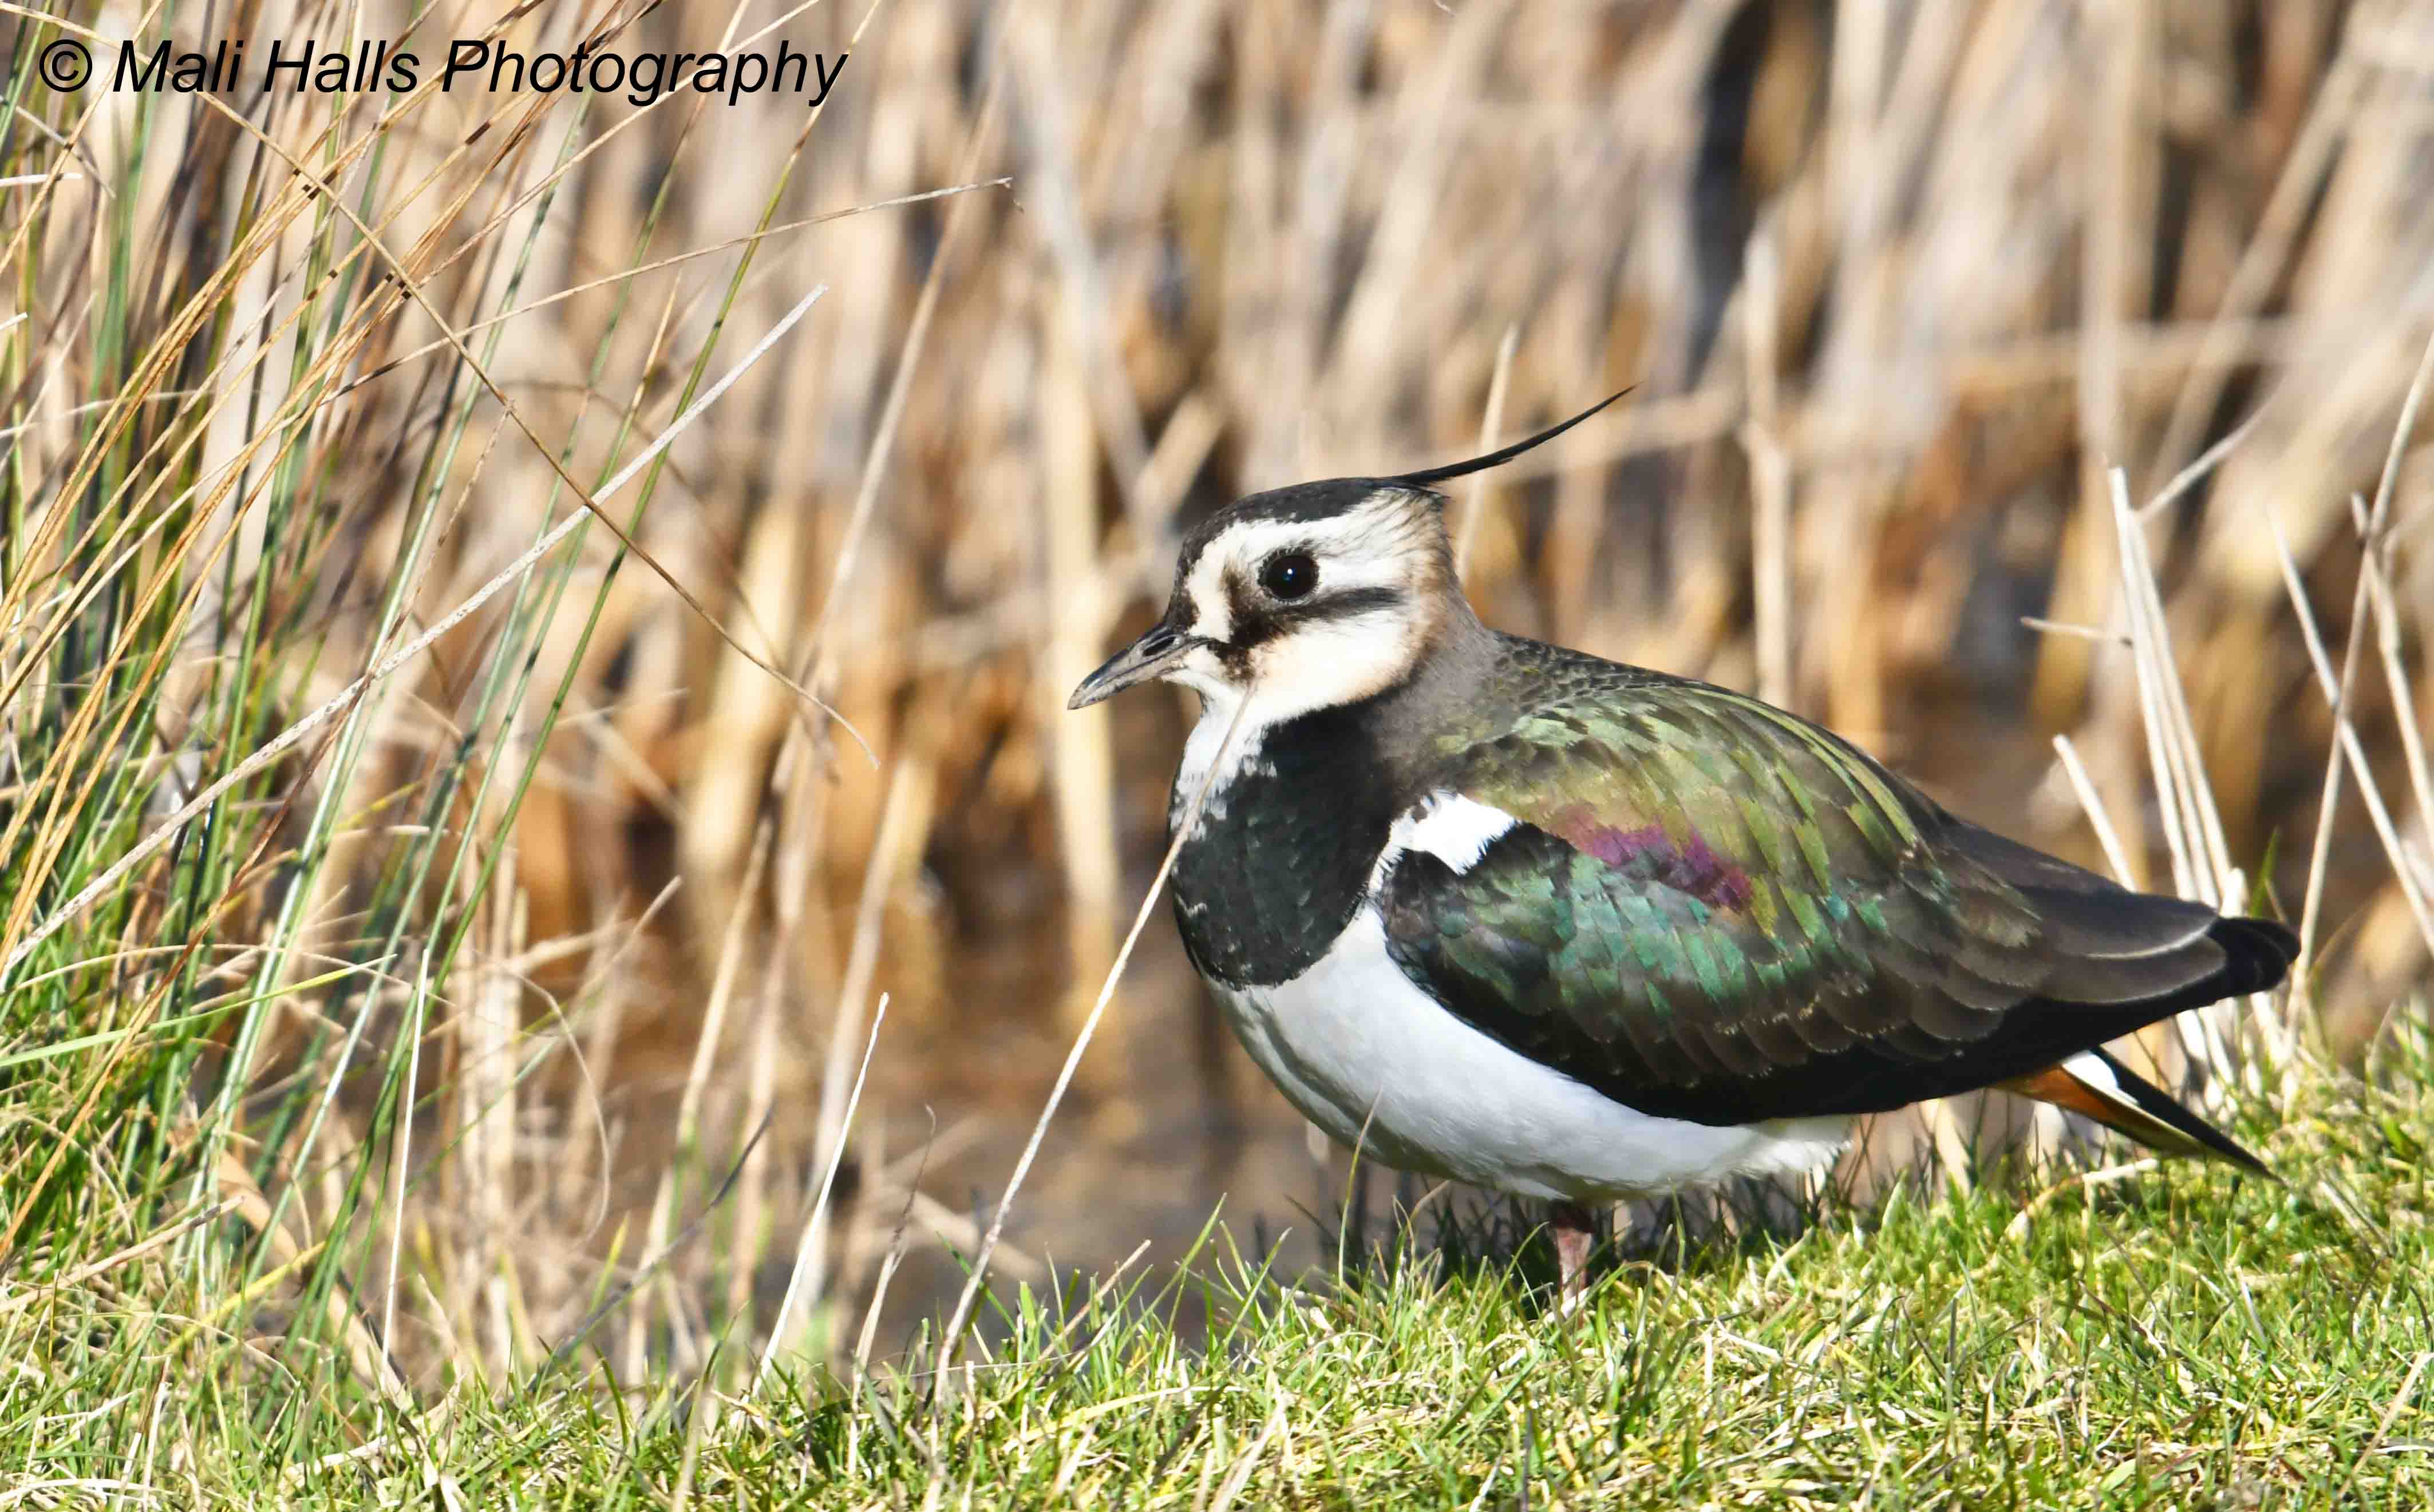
(1429, 476)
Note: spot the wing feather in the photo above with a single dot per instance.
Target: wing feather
(1710, 907)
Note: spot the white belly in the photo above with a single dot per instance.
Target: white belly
(1382, 1068)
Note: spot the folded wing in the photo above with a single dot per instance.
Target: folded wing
(1710, 910)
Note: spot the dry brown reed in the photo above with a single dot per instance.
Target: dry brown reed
(1900, 286)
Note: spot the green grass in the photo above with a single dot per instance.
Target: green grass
(2178, 1338)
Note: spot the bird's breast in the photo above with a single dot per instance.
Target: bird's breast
(1281, 857)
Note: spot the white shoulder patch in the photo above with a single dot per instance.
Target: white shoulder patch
(1454, 829)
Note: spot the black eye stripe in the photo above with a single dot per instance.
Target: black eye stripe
(1257, 625)
(1242, 607)
(1343, 604)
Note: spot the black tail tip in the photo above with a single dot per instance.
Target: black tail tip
(2203, 1136)
(2258, 953)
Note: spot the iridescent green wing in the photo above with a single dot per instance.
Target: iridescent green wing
(1706, 905)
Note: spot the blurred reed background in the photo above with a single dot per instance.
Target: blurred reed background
(1896, 283)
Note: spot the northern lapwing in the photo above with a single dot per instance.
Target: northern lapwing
(1492, 910)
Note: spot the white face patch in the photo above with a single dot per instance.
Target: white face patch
(1386, 543)
(1332, 662)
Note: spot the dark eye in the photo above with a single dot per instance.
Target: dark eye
(1289, 575)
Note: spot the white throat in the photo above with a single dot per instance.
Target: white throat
(1219, 704)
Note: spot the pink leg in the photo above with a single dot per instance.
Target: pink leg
(1573, 1231)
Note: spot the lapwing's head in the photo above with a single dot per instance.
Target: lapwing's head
(1315, 596)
